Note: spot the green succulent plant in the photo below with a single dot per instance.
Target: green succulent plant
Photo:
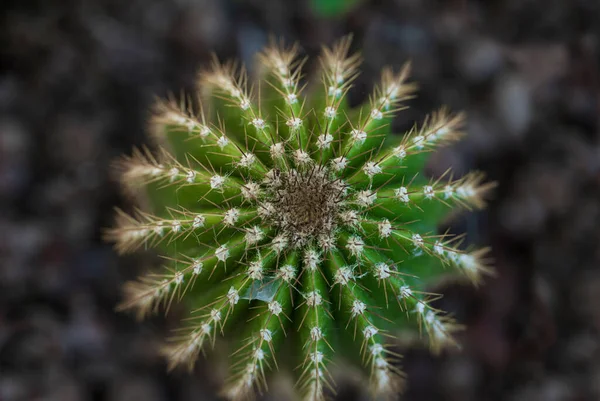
(296, 227)
(333, 8)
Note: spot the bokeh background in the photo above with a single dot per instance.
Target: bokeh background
(77, 78)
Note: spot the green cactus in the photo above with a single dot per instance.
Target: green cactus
(297, 228)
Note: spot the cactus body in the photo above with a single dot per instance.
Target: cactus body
(295, 222)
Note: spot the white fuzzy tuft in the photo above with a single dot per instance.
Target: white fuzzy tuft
(233, 296)
(199, 221)
(222, 142)
(294, 123)
(419, 141)
(266, 335)
(287, 273)
(349, 217)
(369, 332)
(255, 270)
(311, 259)
(197, 267)
(404, 292)
(376, 114)
(316, 333)
(382, 271)
(358, 308)
(355, 245)
(231, 217)
(175, 226)
(222, 253)
(400, 152)
(217, 181)
(316, 357)
(275, 308)
(313, 299)
(371, 168)
(254, 235)
(250, 190)
(301, 157)
(402, 194)
(247, 160)
(277, 150)
(343, 275)
(366, 198)
(292, 98)
(190, 176)
(339, 163)
(266, 210)
(330, 112)
(385, 228)
(324, 141)
(438, 248)
(358, 135)
(173, 173)
(258, 123)
(279, 243)
(428, 192)
(245, 104)
(417, 240)
(215, 315)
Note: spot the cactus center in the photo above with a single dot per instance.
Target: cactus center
(305, 203)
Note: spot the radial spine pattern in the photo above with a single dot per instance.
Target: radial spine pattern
(296, 223)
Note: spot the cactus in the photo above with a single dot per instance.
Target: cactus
(296, 228)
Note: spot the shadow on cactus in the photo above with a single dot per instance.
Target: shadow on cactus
(295, 226)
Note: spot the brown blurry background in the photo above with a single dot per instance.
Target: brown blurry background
(76, 82)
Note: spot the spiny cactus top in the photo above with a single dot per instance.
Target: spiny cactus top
(296, 227)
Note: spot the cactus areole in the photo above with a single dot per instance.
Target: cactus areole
(291, 221)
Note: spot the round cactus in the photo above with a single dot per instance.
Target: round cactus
(297, 228)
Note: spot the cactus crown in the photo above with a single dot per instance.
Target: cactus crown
(297, 223)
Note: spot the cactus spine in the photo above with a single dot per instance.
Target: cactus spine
(296, 221)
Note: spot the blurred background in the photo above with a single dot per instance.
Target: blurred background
(77, 79)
